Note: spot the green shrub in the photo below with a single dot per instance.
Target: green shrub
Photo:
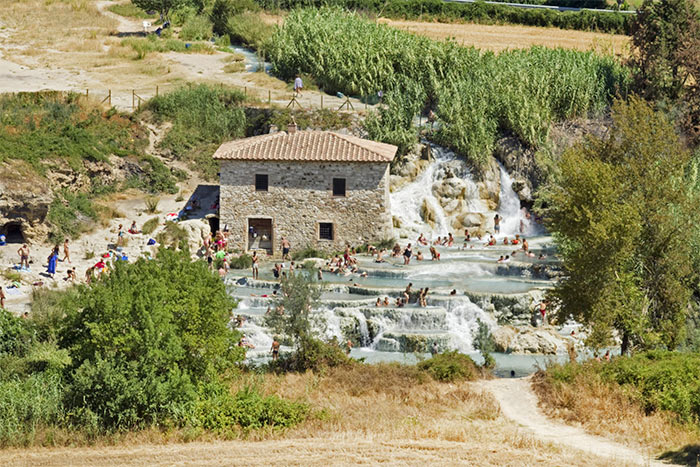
(243, 261)
(196, 28)
(224, 9)
(49, 309)
(308, 252)
(172, 236)
(248, 28)
(152, 43)
(26, 405)
(662, 380)
(217, 409)
(151, 203)
(146, 336)
(15, 334)
(150, 225)
(69, 215)
(450, 366)
(313, 354)
(203, 117)
(50, 127)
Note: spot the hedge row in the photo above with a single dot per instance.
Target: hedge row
(586, 20)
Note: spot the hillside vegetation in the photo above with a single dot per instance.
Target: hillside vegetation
(474, 94)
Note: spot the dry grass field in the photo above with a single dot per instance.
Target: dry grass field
(362, 415)
(498, 37)
(607, 411)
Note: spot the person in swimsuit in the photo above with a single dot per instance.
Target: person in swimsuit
(407, 254)
(285, 248)
(497, 223)
(66, 251)
(255, 264)
(23, 253)
(275, 349)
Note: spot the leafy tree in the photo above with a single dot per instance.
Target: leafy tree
(624, 212)
(161, 6)
(483, 341)
(666, 43)
(293, 316)
(146, 334)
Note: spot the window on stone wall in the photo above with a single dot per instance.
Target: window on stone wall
(325, 231)
(338, 187)
(261, 182)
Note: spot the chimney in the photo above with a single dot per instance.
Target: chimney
(292, 127)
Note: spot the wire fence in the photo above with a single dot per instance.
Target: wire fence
(133, 99)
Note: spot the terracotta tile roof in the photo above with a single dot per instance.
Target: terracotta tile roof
(304, 146)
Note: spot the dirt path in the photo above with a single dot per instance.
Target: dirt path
(519, 404)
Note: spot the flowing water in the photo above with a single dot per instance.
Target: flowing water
(467, 286)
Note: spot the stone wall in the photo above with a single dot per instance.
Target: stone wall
(300, 197)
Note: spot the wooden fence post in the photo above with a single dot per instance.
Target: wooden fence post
(109, 98)
(133, 100)
(269, 97)
(321, 101)
(156, 90)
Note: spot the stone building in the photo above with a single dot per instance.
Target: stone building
(316, 188)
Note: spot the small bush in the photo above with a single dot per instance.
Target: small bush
(308, 252)
(130, 11)
(15, 334)
(219, 410)
(222, 10)
(173, 236)
(196, 28)
(313, 354)
(150, 225)
(69, 215)
(249, 29)
(451, 366)
(151, 204)
(241, 262)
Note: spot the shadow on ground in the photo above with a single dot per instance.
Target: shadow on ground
(687, 455)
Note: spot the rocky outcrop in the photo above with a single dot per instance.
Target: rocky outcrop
(196, 230)
(406, 168)
(25, 196)
(528, 340)
(24, 204)
(522, 161)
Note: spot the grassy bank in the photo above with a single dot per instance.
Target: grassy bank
(652, 399)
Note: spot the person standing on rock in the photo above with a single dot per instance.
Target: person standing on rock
(66, 251)
(23, 253)
(286, 246)
(255, 265)
(434, 349)
(497, 223)
(275, 349)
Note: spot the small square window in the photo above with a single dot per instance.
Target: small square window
(261, 182)
(338, 187)
(325, 231)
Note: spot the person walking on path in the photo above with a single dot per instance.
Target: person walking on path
(23, 253)
(298, 85)
(286, 246)
(66, 251)
(52, 260)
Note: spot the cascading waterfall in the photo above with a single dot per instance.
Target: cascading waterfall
(463, 318)
(515, 219)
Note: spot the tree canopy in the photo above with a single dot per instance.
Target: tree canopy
(624, 211)
(145, 335)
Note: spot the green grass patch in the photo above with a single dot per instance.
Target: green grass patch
(130, 10)
(150, 225)
(203, 117)
(49, 126)
(152, 43)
